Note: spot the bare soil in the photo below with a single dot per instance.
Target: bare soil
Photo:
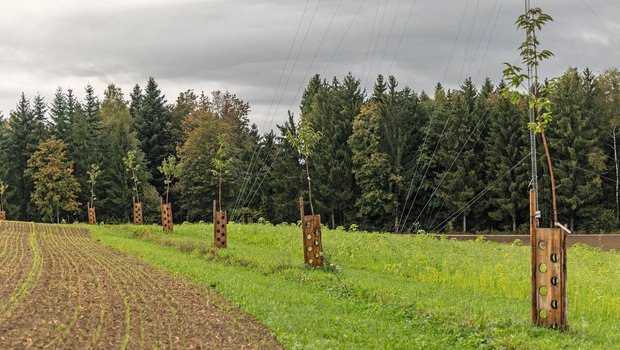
(605, 242)
(62, 289)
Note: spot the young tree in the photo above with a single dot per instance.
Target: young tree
(55, 187)
(539, 103)
(134, 167)
(222, 162)
(93, 175)
(117, 139)
(305, 141)
(171, 170)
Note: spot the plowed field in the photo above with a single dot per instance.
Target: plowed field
(59, 288)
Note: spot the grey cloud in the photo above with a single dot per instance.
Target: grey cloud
(242, 46)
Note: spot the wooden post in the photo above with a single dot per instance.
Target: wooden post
(166, 216)
(137, 212)
(220, 232)
(92, 216)
(2, 215)
(549, 303)
(312, 237)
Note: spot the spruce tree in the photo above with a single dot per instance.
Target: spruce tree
(154, 130)
(371, 168)
(23, 140)
(574, 142)
(506, 145)
(59, 125)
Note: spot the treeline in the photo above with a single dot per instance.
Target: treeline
(388, 159)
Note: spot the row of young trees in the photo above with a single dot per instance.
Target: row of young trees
(390, 159)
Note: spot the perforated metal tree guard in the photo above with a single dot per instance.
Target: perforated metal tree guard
(137, 213)
(3, 215)
(166, 216)
(220, 233)
(548, 247)
(92, 216)
(312, 237)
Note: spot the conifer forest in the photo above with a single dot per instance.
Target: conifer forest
(392, 159)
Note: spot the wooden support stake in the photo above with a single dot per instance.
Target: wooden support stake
(166, 216)
(220, 233)
(137, 213)
(92, 216)
(549, 303)
(312, 237)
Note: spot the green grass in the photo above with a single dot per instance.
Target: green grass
(385, 291)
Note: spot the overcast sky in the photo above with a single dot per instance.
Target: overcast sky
(265, 50)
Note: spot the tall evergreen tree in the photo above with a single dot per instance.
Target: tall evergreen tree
(371, 168)
(154, 130)
(573, 140)
(331, 112)
(59, 125)
(22, 142)
(456, 180)
(506, 145)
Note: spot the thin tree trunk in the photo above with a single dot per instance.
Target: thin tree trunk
(333, 220)
(220, 192)
(548, 155)
(617, 177)
(309, 187)
(514, 223)
(464, 222)
(57, 215)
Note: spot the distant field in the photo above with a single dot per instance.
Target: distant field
(385, 291)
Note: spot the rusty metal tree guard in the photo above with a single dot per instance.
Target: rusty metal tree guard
(137, 212)
(312, 237)
(548, 246)
(3, 215)
(220, 232)
(92, 216)
(166, 216)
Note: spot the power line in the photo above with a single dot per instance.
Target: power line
(601, 20)
(275, 93)
(251, 168)
(477, 197)
(471, 31)
(402, 34)
(458, 33)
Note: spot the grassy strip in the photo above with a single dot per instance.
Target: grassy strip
(384, 291)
